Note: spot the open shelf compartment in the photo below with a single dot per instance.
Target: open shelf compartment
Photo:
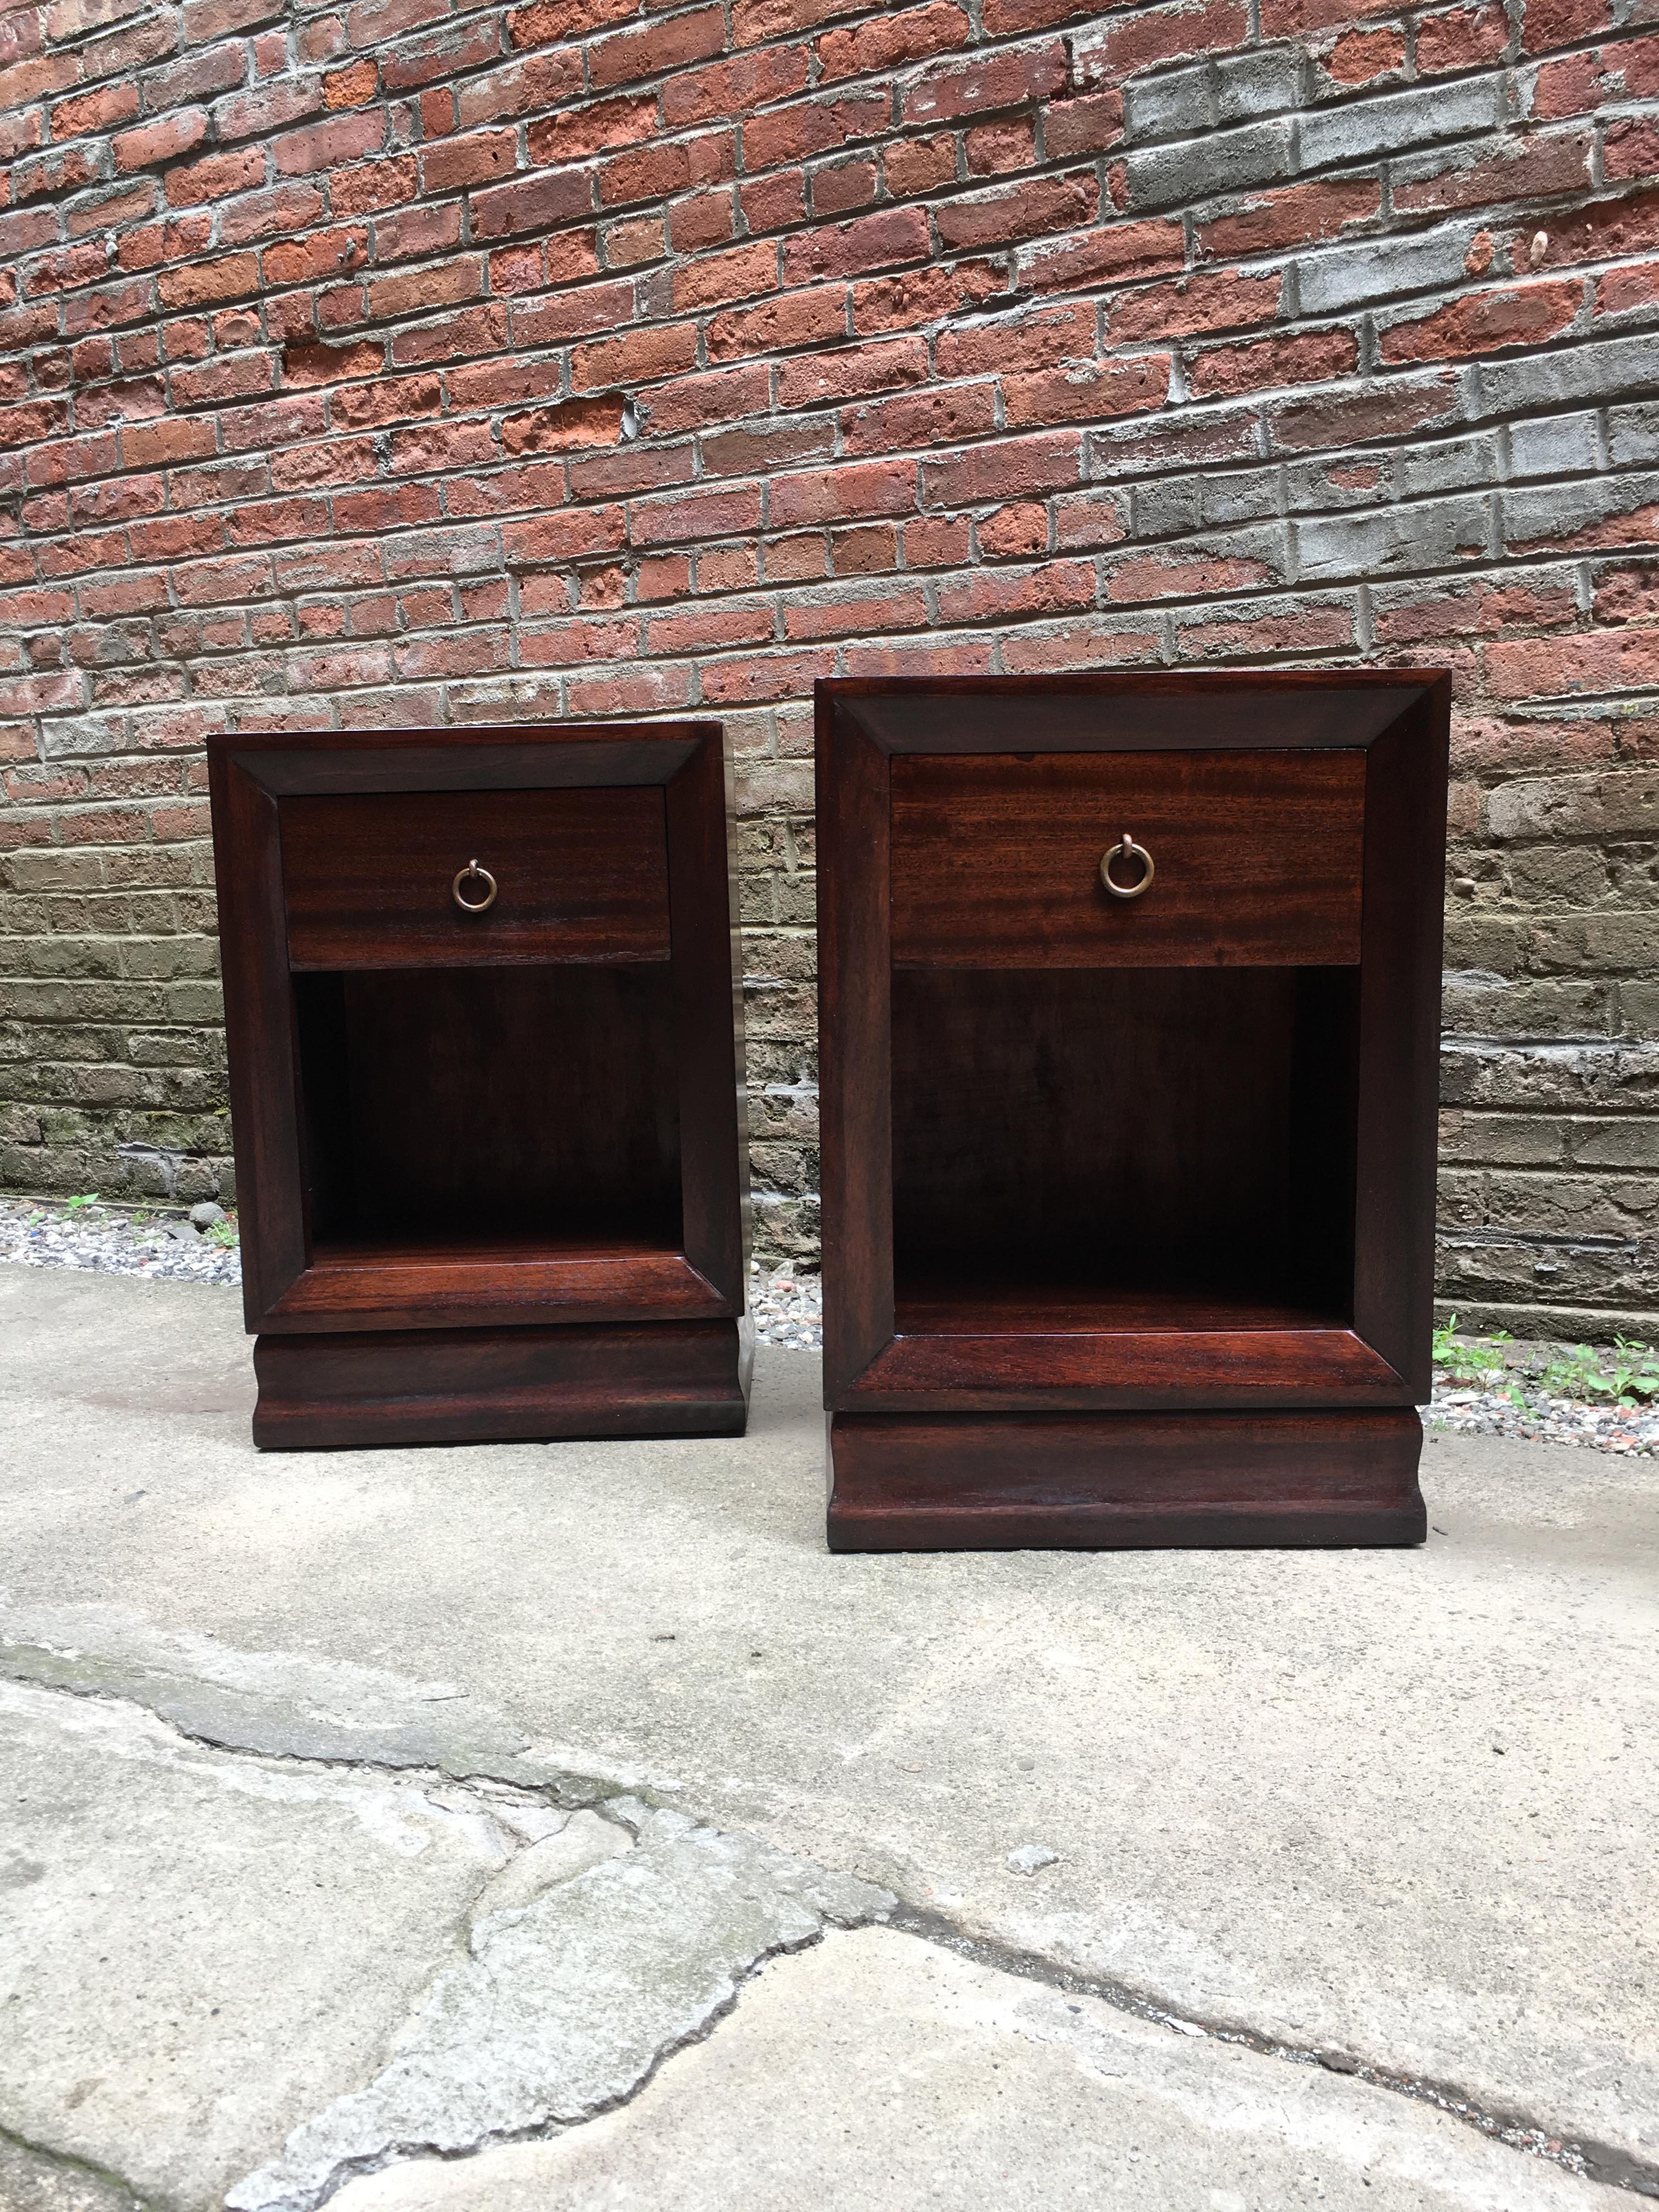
(1105, 1150)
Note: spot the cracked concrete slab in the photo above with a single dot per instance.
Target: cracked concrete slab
(568, 2001)
(915, 2077)
(1393, 1804)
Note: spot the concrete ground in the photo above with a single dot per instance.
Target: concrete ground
(534, 1826)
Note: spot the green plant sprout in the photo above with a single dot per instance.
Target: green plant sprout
(1626, 1375)
(80, 1204)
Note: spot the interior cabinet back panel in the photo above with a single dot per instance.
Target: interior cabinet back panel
(580, 875)
(1257, 858)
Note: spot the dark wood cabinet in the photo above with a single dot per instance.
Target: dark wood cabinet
(485, 1082)
(1129, 993)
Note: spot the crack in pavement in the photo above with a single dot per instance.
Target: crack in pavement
(570, 2030)
(1580, 2156)
(105, 2190)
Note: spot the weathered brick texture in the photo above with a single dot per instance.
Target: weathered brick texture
(400, 362)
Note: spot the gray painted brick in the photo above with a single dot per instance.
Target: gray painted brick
(1262, 83)
(1387, 124)
(1543, 511)
(1447, 465)
(1633, 435)
(1558, 446)
(1236, 90)
(1603, 368)
(1312, 487)
(1204, 502)
(1380, 269)
(1173, 105)
(1198, 169)
(1426, 534)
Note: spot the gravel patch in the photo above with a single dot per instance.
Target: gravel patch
(789, 1310)
(156, 1241)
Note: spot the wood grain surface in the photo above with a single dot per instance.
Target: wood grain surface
(1008, 1482)
(478, 1386)
(582, 875)
(996, 858)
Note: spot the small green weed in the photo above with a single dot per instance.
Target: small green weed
(223, 1233)
(80, 1204)
(1479, 1362)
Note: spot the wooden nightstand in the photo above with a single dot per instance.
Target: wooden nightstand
(484, 1074)
(1128, 1149)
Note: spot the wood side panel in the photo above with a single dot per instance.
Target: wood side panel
(1003, 1482)
(477, 1386)
(708, 1032)
(996, 858)
(259, 1033)
(580, 875)
(854, 1047)
(1400, 1036)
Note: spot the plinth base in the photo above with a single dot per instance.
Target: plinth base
(498, 1385)
(956, 1482)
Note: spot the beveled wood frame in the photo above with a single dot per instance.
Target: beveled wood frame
(284, 1292)
(1400, 718)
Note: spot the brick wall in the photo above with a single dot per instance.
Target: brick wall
(400, 362)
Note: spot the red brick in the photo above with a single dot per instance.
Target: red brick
(742, 274)
(509, 381)
(642, 691)
(1625, 291)
(923, 296)
(774, 203)
(694, 35)
(1107, 256)
(1350, 418)
(349, 88)
(697, 403)
(1018, 212)
(1009, 79)
(735, 87)
(573, 314)
(1630, 149)
(547, 20)
(216, 177)
(890, 41)
(1603, 661)
(699, 515)
(1225, 301)
(325, 146)
(1146, 37)
(902, 606)
(329, 364)
(557, 196)
(1461, 38)
(388, 399)
(480, 157)
(376, 184)
(1000, 596)
(200, 283)
(1563, 23)
(921, 419)
(873, 241)
(1086, 125)
(841, 185)
(1268, 362)
(815, 317)
(1523, 314)
(706, 630)
(816, 127)
(575, 427)
(637, 356)
(580, 131)
(1003, 471)
(919, 165)
(837, 494)
(446, 285)
(99, 110)
(1298, 216)
(1532, 167)
(702, 220)
(1360, 56)
(851, 372)
(1093, 393)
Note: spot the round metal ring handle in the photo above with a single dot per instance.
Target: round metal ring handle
(1126, 849)
(473, 873)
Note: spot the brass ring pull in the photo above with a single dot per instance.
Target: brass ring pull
(483, 876)
(1126, 849)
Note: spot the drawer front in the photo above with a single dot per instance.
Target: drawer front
(1255, 859)
(369, 879)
